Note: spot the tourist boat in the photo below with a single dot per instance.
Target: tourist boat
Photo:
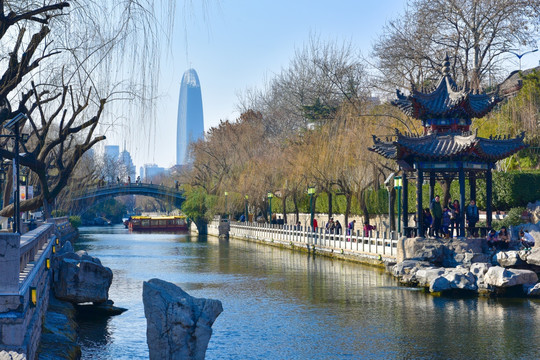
(158, 223)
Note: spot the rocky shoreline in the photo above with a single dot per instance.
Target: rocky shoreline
(466, 267)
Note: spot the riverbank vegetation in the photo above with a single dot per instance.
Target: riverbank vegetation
(312, 124)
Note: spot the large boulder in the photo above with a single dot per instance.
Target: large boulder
(532, 257)
(509, 259)
(80, 278)
(479, 270)
(457, 279)
(179, 326)
(501, 277)
(426, 276)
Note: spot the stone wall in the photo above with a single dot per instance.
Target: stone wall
(20, 328)
(21, 320)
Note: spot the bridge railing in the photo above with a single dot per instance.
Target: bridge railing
(373, 244)
(90, 192)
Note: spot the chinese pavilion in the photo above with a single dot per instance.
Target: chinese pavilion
(447, 148)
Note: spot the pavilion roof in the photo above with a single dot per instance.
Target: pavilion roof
(450, 146)
(445, 101)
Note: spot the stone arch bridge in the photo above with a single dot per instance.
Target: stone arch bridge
(90, 196)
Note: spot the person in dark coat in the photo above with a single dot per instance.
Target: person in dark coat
(436, 212)
(472, 217)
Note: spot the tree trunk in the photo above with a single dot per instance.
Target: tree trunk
(446, 183)
(348, 196)
(296, 211)
(284, 204)
(330, 213)
(202, 226)
(363, 206)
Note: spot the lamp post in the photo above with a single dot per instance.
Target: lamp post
(311, 192)
(398, 183)
(246, 208)
(2, 179)
(24, 179)
(226, 207)
(270, 196)
(13, 126)
(519, 56)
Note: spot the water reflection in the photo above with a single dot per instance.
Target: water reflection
(279, 304)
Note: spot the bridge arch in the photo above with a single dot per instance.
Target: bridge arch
(90, 196)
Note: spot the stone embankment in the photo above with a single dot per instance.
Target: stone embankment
(467, 267)
(179, 326)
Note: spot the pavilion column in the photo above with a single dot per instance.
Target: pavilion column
(419, 207)
(489, 195)
(472, 184)
(462, 200)
(405, 202)
(431, 186)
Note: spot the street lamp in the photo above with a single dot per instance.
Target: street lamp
(270, 196)
(311, 192)
(2, 179)
(398, 184)
(246, 208)
(519, 56)
(226, 207)
(13, 126)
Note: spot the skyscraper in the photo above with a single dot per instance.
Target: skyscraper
(190, 126)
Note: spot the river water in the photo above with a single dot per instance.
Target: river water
(280, 304)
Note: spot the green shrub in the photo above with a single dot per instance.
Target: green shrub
(513, 218)
(75, 221)
(58, 213)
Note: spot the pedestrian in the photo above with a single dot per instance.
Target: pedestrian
(337, 228)
(504, 238)
(427, 220)
(446, 222)
(527, 240)
(436, 212)
(350, 227)
(129, 179)
(492, 240)
(315, 225)
(330, 226)
(455, 218)
(472, 217)
(368, 228)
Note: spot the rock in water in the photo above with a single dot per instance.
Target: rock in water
(179, 326)
(78, 280)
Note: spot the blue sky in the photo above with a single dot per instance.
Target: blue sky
(238, 44)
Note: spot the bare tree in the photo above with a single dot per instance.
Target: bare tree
(476, 34)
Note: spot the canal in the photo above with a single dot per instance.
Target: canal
(279, 304)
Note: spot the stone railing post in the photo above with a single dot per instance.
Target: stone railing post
(10, 254)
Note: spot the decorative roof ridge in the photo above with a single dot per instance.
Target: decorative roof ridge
(504, 138)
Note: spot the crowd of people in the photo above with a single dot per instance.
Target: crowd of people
(444, 221)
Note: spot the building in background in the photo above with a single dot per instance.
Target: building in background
(111, 152)
(127, 163)
(149, 172)
(190, 125)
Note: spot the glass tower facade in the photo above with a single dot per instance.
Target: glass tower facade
(190, 126)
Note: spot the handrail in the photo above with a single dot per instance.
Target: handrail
(375, 244)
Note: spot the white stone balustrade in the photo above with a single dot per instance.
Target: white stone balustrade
(377, 243)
